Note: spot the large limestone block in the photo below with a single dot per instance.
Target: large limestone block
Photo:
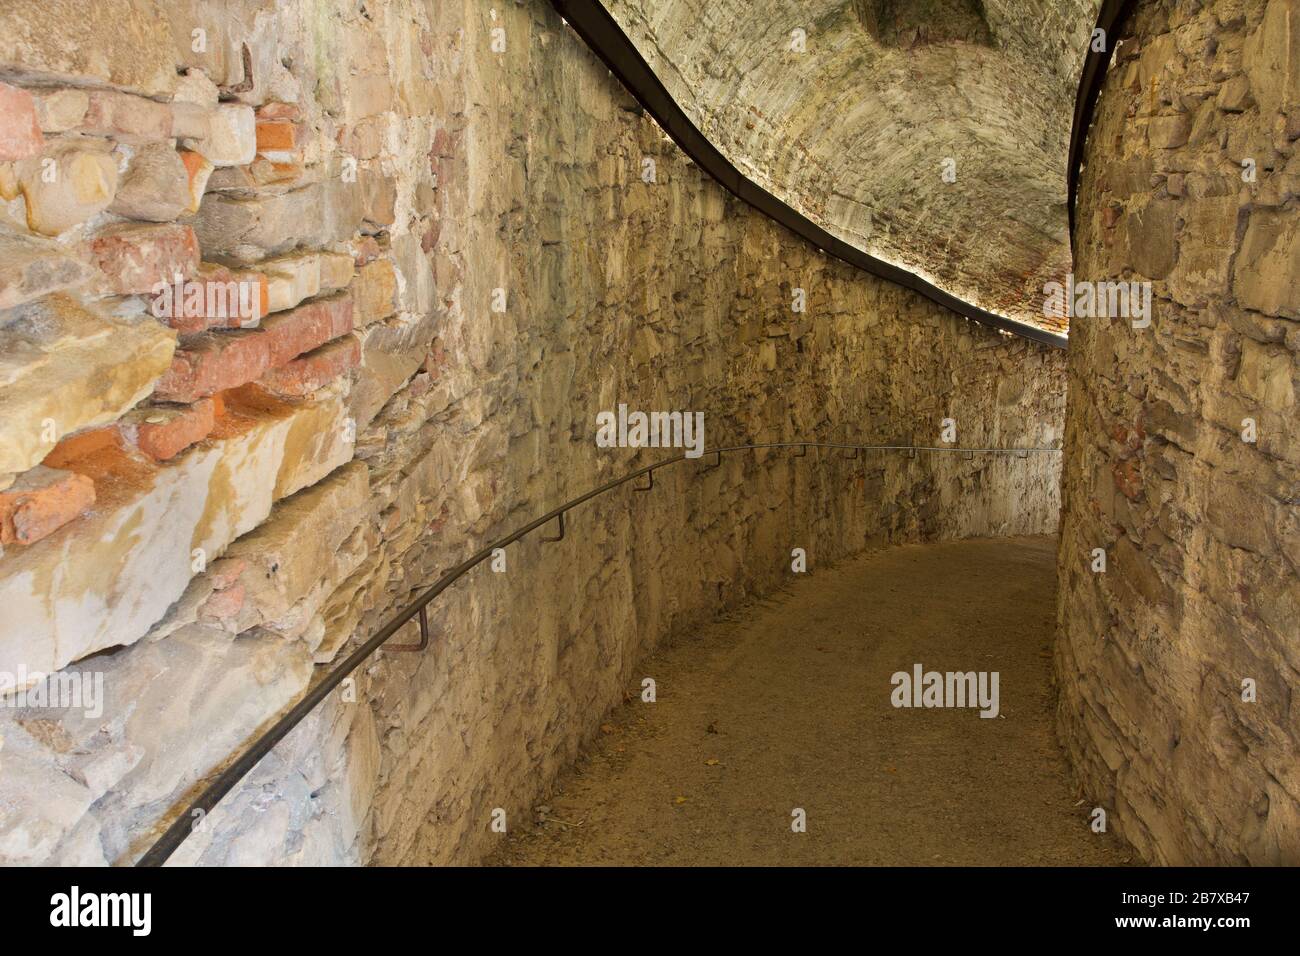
(122, 43)
(170, 712)
(232, 136)
(67, 185)
(249, 230)
(1209, 231)
(1272, 58)
(41, 805)
(1268, 266)
(106, 579)
(233, 30)
(304, 805)
(64, 367)
(1267, 374)
(156, 186)
(31, 268)
(392, 352)
(294, 550)
(216, 694)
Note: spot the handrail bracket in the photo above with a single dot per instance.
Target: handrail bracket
(424, 636)
(559, 519)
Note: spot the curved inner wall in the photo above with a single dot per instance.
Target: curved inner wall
(1177, 666)
(461, 214)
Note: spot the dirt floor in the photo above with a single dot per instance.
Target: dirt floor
(788, 705)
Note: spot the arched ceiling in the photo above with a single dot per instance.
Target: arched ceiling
(857, 130)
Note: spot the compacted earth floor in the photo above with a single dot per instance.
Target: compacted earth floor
(786, 706)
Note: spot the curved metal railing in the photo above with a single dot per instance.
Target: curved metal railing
(226, 779)
(1111, 21)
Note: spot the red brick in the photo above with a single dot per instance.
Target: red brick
(225, 572)
(41, 502)
(307, 373)
(224, 605)
(279, 111)
(213, 362)
(136, 258)
(187, 317)
(20, 130)
(307, 327)
(217, 361)
(176, 429)
(276, 136)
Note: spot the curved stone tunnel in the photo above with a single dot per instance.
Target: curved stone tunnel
(305, 304)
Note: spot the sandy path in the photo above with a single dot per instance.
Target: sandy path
(787, 705)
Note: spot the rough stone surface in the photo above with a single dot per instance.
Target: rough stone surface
(156, 187)
(64, 368)
(643, 294)
(232, 136)
(66, 185)
(855, 130)
(31, 268)
(127, 119)
(106, 584)
(1200, 527)
(250, 229)
(59, 111)
(292, 561)
(171, 709)
(123, 43)
(510, 275)
(294, 279)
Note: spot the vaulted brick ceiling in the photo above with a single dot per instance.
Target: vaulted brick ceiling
(857, 130)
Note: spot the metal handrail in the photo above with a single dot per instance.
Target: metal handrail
(225, 780)
(1111, 20)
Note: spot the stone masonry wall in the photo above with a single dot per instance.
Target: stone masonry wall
(457, 264)
(1182, 459)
